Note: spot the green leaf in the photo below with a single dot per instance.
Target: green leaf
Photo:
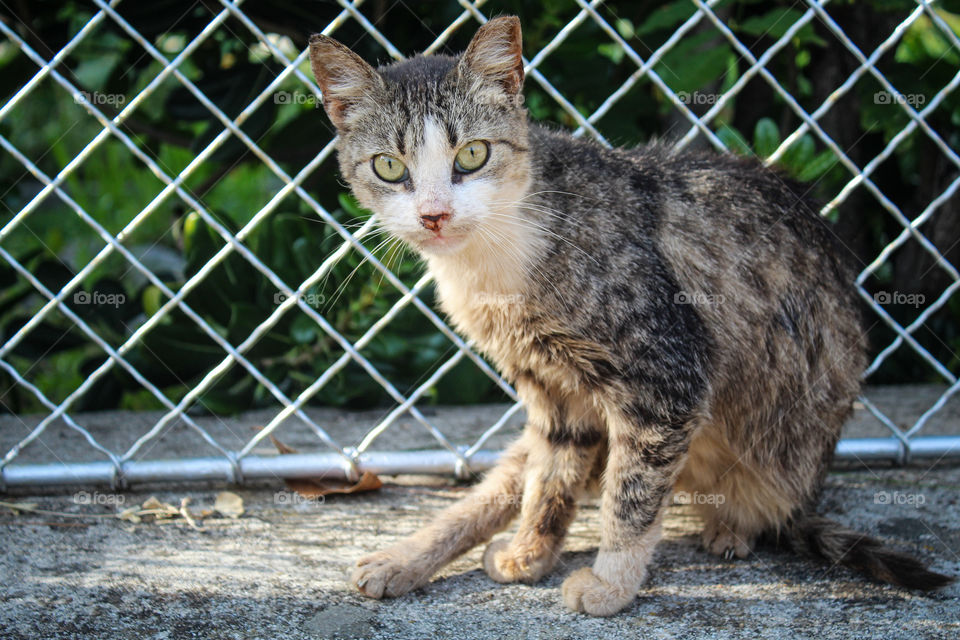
(625, 28)
(799, 154)
(667, 17)
(924, 41)
(303, 329)
(199, 244)
(352, 207)
(153, 299)
(766, 137)
(695, 62)
(733, 141)
(776, 22)
(612, 51)
(818, 166)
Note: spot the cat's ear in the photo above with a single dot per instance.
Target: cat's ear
(495, 54)
(344, 78)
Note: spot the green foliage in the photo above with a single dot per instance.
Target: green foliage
(231, 68)
(800, 160)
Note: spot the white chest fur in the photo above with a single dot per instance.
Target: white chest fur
(485, 287)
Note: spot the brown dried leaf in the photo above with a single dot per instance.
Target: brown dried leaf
(229, 504)
(282, 448)
(317, 487)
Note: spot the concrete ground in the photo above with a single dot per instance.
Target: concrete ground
(279, 570)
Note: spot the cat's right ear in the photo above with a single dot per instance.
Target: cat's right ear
(344, 77)
(495, 54)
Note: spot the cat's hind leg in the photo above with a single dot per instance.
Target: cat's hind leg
(721, 538)
(742, 491)
(738, 508)
(716, 483)
(487, 509)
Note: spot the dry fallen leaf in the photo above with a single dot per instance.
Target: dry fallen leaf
(229, 504)
(160, 510)
(130, 515)
(186, 513)
(20, 507)
(318, 487)
(282, 448)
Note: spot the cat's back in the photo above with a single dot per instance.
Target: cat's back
(726, 213)
(734, 242)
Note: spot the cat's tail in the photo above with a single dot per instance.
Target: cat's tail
(820, 537)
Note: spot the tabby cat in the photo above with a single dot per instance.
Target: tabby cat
(671, 320)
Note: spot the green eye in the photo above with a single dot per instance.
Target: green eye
(389, 168)
(472, 156)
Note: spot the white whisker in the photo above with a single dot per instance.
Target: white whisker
(533, 225)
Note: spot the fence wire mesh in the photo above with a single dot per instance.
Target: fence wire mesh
(235, 351)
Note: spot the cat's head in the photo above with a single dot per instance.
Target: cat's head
(435, 146)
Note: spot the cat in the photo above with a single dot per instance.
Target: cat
(673, 321)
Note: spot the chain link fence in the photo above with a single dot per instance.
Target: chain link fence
(119, 467)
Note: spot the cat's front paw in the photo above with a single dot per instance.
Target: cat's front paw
(387, 573)
(585, 592)
(504, 562)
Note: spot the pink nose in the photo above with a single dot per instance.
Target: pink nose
(434, 221)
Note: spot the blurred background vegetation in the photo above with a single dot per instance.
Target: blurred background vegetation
(232, 67)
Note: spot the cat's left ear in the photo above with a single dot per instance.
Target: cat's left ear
(495, 54)
(344, 77)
